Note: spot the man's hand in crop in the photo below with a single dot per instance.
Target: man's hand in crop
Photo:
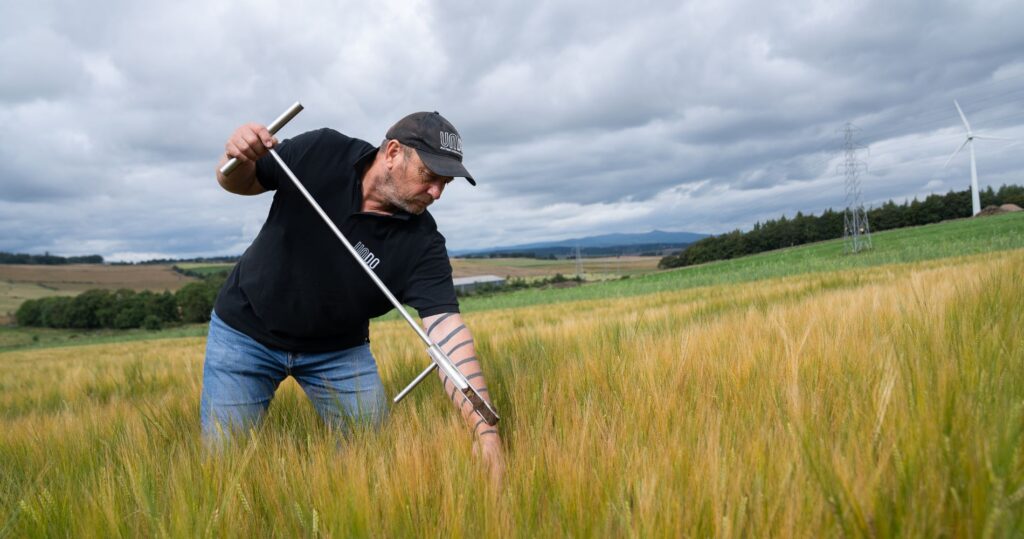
(451, 334)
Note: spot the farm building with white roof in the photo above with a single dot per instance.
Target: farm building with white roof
(465, 285)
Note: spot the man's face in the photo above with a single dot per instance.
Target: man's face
(410, 185)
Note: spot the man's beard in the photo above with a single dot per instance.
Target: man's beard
(389, 192)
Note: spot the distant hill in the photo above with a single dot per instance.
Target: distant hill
(603, 245)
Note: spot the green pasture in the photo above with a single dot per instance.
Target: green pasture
(17, 338)
(940, 240)
(205, 269)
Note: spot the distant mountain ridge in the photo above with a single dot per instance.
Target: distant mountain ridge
(604, 242)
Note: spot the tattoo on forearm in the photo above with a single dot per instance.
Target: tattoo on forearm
(444, 317)
(454, 332)
(467, 411)
(457, 346)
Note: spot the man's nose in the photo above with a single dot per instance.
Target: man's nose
(435, 191)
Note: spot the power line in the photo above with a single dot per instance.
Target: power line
(856, 231)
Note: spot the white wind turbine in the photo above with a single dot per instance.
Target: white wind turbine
(969, 142)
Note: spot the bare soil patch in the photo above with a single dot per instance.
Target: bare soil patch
(999, 210)
(80, 277)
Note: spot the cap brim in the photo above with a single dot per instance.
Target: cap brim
(445, 166)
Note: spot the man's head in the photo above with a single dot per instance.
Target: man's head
(420, 155)
(405, 182)
(435, 140)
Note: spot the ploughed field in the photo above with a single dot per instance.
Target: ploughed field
(884, 400)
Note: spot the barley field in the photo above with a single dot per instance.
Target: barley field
(885, 401)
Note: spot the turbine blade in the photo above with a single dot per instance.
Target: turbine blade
(962, 117)
(986, 137)
(966, 140)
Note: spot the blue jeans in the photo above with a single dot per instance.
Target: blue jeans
(241, 375)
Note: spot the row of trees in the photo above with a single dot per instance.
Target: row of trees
(801, 229)
(198, 259)
(47, 259)
(122, 309)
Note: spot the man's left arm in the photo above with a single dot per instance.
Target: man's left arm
(451, 334)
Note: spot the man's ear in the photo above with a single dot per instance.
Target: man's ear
(392, 151)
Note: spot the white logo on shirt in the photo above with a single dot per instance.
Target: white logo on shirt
(367, 255)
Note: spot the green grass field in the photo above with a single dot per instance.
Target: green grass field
(800, 393)
(206, 268)
(16, 338)
(592, 269)
(942, 240)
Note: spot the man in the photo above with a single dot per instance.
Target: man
(298, 304)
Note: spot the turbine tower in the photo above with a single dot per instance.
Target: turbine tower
(969, 142)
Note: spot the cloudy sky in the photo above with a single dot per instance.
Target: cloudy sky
(578, 118)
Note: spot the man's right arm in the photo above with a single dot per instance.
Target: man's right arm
(247, 144)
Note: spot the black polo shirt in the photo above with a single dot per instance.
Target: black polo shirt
(297, 288)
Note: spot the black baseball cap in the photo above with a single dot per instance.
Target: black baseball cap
(435, 140)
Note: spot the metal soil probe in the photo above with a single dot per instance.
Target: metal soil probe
(438, 357)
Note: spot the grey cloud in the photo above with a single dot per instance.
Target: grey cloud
(38, 63)
(578, 117)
